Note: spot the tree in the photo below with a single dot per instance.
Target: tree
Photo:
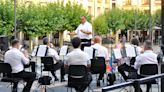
(100, 25)
(116, 19)
(6, 17)
(157, 18)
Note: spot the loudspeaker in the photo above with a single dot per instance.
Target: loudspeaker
(4, 43)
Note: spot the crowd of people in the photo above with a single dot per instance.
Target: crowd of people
(77, 56)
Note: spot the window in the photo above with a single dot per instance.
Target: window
(99, 1)
(89, 9)
(98, 11)
(128, 2)
(113, 5)
(106, 9)
(145, 2)
(106, 1)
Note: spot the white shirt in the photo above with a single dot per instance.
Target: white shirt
(16, 59)
(101, 51)
(148, 57)
(77, 57)
(87, 27)
(53, 53)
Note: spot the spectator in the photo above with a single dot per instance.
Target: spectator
(78, 57)
(101, 52)
(124, 39)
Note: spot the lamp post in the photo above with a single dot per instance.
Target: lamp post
(162, 21)
(150, 22)
(15, 20)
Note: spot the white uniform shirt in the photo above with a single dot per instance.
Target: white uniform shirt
(87, 27)
(53, 53)
(77, 57)
(101, 51)
(148, 57)
(16, 59)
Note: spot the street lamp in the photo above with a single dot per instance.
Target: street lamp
(150, 22)
(15, 20)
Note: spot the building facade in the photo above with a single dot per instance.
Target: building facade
(136, 4)
(94, 7)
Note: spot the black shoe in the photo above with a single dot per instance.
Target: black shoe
(14, 90)
(56, 79)
(98, 83)
(63, 80)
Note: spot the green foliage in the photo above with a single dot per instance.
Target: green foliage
(36, 20)
(100, 25)
(125, 19)
(116, 19)
(6, 17)
(157, 18)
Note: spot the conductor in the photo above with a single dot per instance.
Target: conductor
(84, 32)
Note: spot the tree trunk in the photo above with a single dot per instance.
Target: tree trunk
(36, 41)
(61, 38)
(30, 44)
(49, 35)
(20, 36)
(117, 35)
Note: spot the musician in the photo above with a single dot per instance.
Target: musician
(58, 64)
(24, 50)
(101, 52)
(17, 60)
(127, 67)
(147, 57)
(84, 32)
(78, 57)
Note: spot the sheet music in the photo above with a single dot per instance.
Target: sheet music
(63, 50)
(89, 51)
(41, 50)
(117, 53)
(130, 51)
(34, 51)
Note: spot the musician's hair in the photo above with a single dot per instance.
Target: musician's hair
(76, 42)
(135, 41)
(14, 42)
(45, 40)
(148, 44)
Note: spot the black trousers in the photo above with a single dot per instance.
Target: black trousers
(101, 75)
(88, 43)
(124, 67)
(28, 77)
(32, 65)
(82, 88)
(57, 66)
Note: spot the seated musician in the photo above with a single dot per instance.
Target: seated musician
(58, 64)
(147, 57)
(17, 60)
(127, 67)
(78, 57)
(101, 52)
(24, 50)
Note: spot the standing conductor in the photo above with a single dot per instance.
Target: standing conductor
(84, 32)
